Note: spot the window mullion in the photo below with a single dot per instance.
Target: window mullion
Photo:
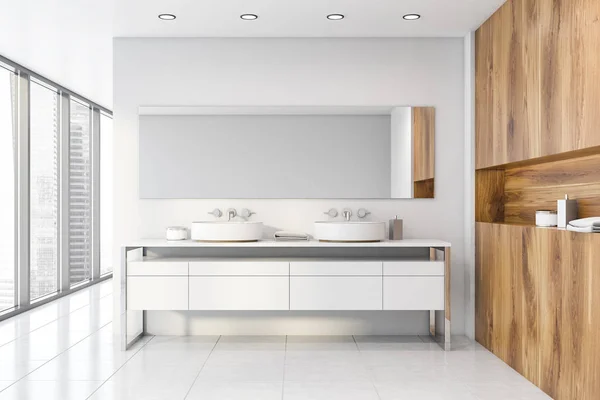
(23, 200)
(63, 214)
(95, 204)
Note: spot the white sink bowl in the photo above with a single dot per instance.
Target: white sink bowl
(349, 231)
(234, 231)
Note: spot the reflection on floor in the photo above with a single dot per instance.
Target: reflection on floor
(65, 350)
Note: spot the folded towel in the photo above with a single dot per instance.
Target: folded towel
(290, 236)
(585, 229)
(586, 222)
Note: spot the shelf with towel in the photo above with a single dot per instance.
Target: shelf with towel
(512, 193)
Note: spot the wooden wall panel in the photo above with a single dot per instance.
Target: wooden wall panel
(570, 74)
(423, 143)
(489, 195)
(506, 298)
(569, 317)
(536, 305)
(537, 75)
(507, 85)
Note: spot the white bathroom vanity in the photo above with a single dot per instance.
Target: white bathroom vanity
(289, 276)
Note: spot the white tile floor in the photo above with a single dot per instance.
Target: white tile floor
(65, 350)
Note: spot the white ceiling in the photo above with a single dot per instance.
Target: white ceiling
(301, 18)
(70, 41)
(67, 41)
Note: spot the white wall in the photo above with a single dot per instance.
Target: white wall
(272, 72)
(469, 143)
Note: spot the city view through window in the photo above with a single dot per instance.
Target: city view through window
(46, 131)
(7, 180)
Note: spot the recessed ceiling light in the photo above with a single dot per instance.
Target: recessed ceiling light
(167, 17)
(411, 17)
(249, 17)
(335, 17)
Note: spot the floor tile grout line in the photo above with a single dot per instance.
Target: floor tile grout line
(54, 320)
(56, 356)
(202, 367)
(368, 371)
(118, 369)
(284, 363)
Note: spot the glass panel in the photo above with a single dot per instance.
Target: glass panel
(80, 194)
(8, 141)
(106, 190)
(44, 120)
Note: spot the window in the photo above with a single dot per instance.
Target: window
(56, 179)
(43, 190)
(80, 194)
(106, 192)
(8, 141)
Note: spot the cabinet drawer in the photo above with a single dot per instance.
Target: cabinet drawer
(413, 293)
(160, 268)
(402, 268)
(332, 268)
(241, 268)
(239, 293)
(335, 293)
(157, 293)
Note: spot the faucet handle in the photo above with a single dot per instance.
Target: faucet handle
(245, 213)
(361, 213)
(332, 212)
(216, 213)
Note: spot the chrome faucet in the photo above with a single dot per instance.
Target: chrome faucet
(347, 213)
(231, 213)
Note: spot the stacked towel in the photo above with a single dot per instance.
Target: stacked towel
(591, 224)
(282, 236)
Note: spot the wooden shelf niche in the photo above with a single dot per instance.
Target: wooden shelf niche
(512, 193)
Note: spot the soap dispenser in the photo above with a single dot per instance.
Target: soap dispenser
(395, 228)
(566, 211)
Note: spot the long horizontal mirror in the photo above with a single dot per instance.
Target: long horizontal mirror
(295, 153)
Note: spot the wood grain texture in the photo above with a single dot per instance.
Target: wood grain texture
(569, 316)
(424, 189)
(506, 298)
(537, 187)
(513, 195)
(507, 81)
(569, 74)
(489, 195)
(536, 75)
(423, 120)
(537, 292)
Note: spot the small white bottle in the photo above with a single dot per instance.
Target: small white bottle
(566, 211)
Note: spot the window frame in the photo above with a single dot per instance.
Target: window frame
(24, 77)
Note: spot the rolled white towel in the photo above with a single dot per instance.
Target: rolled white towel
(290, 236)
(586, 223)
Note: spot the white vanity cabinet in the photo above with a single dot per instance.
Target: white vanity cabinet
(157, 285)
(335, 285)
(413, 285)
(275, 276)
(239, 285)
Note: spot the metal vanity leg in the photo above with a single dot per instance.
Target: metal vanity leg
(125, 345)
(432, 323)
(445, 339)
(447, 304)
